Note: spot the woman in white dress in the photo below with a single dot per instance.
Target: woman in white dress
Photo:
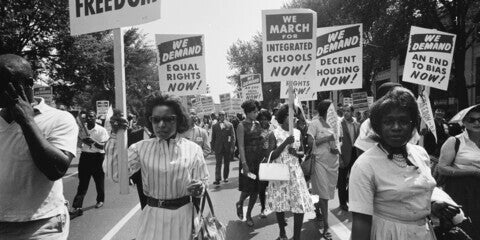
(325, 170)
(292, 195)
(391, 185)
(174, 172)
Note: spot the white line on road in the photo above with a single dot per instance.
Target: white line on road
(122, 222)
(338, 227)
(70, 175)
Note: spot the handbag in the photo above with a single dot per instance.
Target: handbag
(307, 166)
(273, 171)
(207, 227)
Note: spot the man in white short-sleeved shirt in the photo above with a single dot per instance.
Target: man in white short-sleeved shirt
(91, 164)
(37, 145)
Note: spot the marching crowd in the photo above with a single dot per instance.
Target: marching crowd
(395, 187)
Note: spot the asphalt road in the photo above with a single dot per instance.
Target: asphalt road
(118, 218)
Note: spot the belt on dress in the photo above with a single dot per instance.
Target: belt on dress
(171, 204)
(419, 222)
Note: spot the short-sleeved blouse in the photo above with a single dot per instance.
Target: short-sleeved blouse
(468, 155)
(381, 188)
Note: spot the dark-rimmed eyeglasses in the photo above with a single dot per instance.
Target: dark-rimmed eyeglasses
(167, 119)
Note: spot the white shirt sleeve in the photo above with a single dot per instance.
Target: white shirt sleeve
(64, 134)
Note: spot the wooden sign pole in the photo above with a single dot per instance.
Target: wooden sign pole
(290, 108)
(121, 104)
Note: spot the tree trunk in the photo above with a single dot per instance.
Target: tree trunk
(459, 56)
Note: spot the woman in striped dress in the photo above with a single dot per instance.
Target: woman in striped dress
(173, 172)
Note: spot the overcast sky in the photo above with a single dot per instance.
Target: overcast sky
(221, 21)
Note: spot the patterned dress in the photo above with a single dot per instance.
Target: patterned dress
(291, 195)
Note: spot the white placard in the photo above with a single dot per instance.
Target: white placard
(207, 105)
(339, 58)
(226, 102)
(44, 92)
(181, 60)
(251, 85)
(102, 108)
(429, 57)
(289, 44)
(87, 16)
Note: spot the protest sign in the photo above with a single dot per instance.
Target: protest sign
(102, 108)
(236, 105)
(251, 85)
(181, 64)
(289, 44)
(426, 113)
(207, 105)
(196, 104)
(429, 57)
(226, 102)
(370, 101)
(334, 122)
(339, 58)
(44, 92)
(347, 101)
(87, 16)
(360, 101)
(303, 89)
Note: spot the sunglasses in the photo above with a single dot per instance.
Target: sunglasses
(472, 120)
(167, 119)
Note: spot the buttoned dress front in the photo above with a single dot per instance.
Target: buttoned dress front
(167, 166)
(399, 199)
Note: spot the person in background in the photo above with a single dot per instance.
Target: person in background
(268, 144)
(273, 122)
(235, 121)
(325, 169)
(340, 110)
(249, 144)
(391, 184)
(292, 195)
(348, 154)
(430, 143)
(91, 164)
(223, 143)
(37, 144)
(173, 169)
(197, 135)
(460, 163)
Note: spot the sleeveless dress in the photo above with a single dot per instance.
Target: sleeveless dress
(291, 195)
(252, 142)
(325, 170)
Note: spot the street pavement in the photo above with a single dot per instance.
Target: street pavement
(118, 218)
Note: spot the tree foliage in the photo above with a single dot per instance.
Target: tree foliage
(80, 68)
(245, 57)
(387, 25)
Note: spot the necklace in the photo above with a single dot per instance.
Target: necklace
(399, 160)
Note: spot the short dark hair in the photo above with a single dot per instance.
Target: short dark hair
(282, 114)
(398, 98)
(250, 105)
(158, 99)
(352, 109)
(264, 113)
(386, 87)
(322, 107)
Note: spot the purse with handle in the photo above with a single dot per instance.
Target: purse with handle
(273, 171)
(207, 227)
